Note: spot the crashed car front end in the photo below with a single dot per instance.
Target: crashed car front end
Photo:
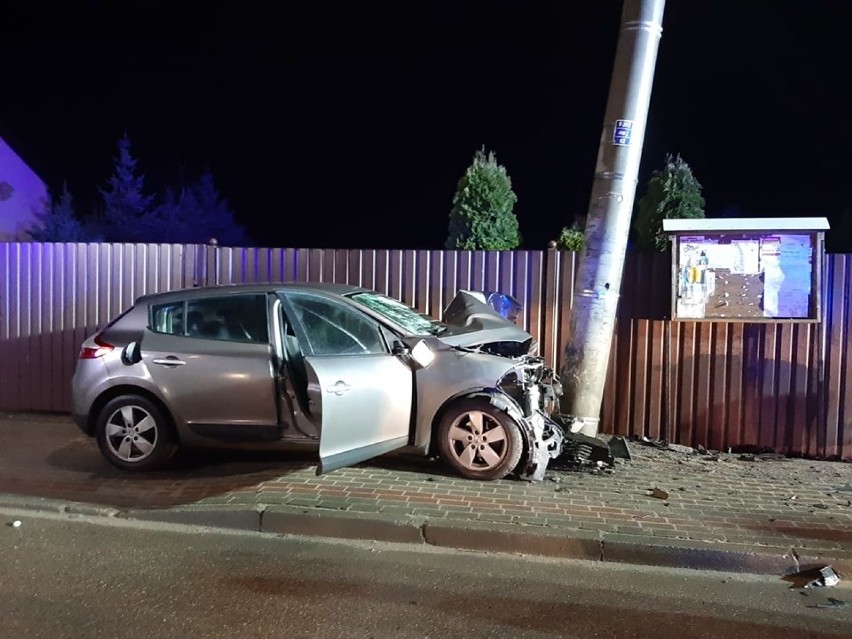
(535, 389)
(530, 390)
(485, 402)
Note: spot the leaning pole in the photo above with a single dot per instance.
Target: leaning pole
(591, 322)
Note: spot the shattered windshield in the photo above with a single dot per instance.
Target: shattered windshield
(399, 313)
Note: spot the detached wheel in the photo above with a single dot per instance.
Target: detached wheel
(478, 440)
(133, 434)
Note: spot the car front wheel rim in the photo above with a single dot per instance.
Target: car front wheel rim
(477, 441)
(131, 433)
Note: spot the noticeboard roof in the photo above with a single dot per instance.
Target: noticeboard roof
(746, 224)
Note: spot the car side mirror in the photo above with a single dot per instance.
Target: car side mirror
(400, 349)
(131, 354)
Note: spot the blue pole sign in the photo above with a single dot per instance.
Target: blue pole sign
(621, 132)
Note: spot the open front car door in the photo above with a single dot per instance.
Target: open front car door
(358, 390)
(366, 407)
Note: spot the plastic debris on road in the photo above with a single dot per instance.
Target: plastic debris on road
(658, 493)
(817, 577)
(832, 603)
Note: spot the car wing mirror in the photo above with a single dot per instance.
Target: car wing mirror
(400, 349)
(131, 354)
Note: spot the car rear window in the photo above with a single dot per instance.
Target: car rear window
(241, 318)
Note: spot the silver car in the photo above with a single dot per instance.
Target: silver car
(345, 369)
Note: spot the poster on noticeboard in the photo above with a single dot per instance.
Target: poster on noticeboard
(749, 272)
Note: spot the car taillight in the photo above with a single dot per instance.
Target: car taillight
(93, 352)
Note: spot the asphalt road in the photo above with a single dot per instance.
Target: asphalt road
(66, 576)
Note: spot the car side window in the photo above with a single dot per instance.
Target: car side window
(168, 318)
(239, 318)
(336, 329)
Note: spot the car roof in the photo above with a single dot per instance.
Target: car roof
(333, 288)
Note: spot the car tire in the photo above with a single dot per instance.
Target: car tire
(478, 440)
(134, 434)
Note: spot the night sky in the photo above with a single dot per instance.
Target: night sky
(349, 124)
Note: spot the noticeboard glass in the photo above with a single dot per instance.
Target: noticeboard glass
(752, 276)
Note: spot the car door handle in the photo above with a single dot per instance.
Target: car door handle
(338, 388)
(168, 361)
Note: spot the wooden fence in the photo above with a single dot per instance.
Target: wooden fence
(776, 385)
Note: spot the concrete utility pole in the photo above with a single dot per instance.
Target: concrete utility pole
(592, 319)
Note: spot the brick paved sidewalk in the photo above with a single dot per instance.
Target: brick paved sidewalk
(800, 503)
(723, 503)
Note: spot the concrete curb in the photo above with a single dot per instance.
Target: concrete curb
(516, 539)
(504, 538)
(57, 506)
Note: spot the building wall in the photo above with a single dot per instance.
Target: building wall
(23, 195)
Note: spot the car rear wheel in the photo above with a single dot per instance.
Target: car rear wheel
(134, 434)
(478, 440)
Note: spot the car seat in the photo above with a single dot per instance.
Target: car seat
(215, 329)
(296, 368)
(194, 322)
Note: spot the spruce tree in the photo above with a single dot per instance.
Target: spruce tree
(196, 213)
(126, 206)
(217, 219)
(482, 216)
(673, 192)
(60, 223)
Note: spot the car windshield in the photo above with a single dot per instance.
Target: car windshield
(399, 313)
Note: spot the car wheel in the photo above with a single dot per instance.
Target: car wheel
(134, 434)
(478, 440)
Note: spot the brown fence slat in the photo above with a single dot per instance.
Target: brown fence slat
(842, 414)
(435, 279)
(837, 358)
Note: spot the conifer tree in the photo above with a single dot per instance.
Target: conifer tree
(482, 216)
(126, 205)
(196, 213)
(60, 223)
(673, 192)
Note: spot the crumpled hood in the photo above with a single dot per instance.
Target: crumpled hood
(471, 322)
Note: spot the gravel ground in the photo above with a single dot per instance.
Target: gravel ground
(669, 466)
(772, 466)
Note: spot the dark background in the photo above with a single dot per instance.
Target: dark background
(348, 125)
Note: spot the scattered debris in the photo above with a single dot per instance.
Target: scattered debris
(815, 577)
(750, 457)
(751, 449)
(662, 444)
(648, 441)
(618, 447)
(827, 577)
(832, 603)
(580, 451)
(597, 468)
(658, 493)
(681, 448)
